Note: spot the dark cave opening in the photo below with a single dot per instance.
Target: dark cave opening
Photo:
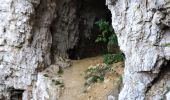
(74, 30)
(86, 47)
(16, 94)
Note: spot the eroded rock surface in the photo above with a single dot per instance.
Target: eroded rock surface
(25, 43)
(143, 31)
(33, 35)
(48, 84)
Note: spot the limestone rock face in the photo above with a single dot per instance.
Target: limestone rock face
(25, 42)
(33, 34)
(47, 86)
(143, 31)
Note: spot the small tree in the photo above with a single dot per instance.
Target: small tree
(107, 33)
(109, 37)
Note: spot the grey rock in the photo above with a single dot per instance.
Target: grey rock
(142, 30)
(25, 42)
(35, 33)
(110, 97)
(168, 96)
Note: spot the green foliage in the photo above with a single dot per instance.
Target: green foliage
(113, 40)
(113, 58)
(60, 71)
(108, 59)
(96, 73)
(167, 45)
(107, 33)
(118, 57)
(104, 26)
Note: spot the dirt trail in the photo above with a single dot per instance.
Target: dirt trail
(73, 78)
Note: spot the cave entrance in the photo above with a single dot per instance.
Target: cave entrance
(16, 94)
(90, 12)
(74, 30)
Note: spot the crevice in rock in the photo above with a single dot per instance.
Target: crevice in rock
(41, 34)
(160, 83)
(16, 94)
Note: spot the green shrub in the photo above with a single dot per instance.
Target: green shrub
(107, 33)
(108, 58)
(113, 58)
(109, 37)
(118, 57)
(113, 40)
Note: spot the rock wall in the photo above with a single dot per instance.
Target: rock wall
(30, 28)
(33, 36)
(143, 31)
(25, 42)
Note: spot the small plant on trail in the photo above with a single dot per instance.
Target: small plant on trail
(113, 58)
(108, 59)
(96, 73)
(60, 71)
(118, 57)
(99, 72)
(107, 35)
